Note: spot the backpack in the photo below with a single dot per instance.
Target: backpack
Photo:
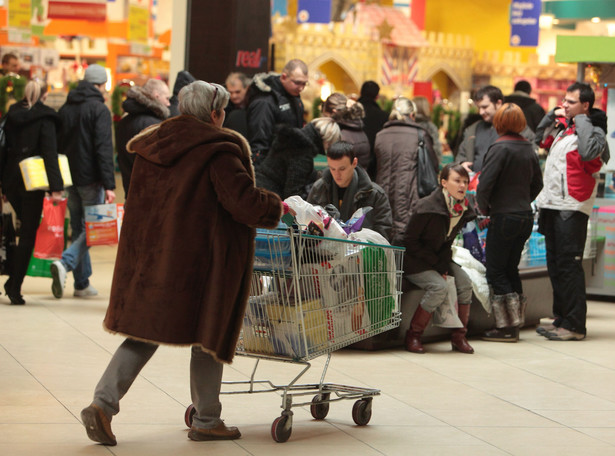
(427, 179)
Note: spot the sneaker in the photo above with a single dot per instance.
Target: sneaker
(89, 291)
(543, 330)
(565, 334)
(58, 274)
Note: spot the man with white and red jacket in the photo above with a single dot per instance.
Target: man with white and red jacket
(577, 152)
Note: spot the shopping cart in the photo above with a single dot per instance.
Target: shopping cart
(310, 296)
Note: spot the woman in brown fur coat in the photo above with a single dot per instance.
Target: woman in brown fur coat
(184, 262)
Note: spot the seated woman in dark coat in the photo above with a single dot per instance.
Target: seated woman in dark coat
(289, 166)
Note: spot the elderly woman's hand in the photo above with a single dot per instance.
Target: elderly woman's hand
(57, 197)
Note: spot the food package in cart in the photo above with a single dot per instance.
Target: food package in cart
(347, 321)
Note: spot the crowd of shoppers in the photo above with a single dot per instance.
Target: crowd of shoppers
(230, 156)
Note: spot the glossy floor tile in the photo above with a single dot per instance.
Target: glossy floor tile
(536, 397)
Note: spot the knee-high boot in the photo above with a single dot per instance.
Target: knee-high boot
(513, 306)
(458, 338)
(504, 331)
(419, 322)
(522, 309)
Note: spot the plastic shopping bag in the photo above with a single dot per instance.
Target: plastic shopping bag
(50, 235)
(445, 315)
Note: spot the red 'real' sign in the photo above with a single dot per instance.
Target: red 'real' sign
(89, 10)
(248, 59)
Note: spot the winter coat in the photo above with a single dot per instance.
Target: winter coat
(397, 155)
(511, 177)
(86, 137)
(427, 242)
(184, 261)
(270, 105)
(353, 133)
(30, 132)
(289, 165)
(532, 110)
(575, 158)
(362, 192)
(236, 119)
(183, 79)
(374, 119)
(467, 149)
(142, 111)
(431, 128)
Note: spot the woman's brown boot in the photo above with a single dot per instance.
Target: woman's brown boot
(458, 338)
(419, 322)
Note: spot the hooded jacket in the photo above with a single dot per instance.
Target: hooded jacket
(184, 262)
(183, 79)
(30, 132)
(289, 166)
(533, 111)
(362, 192)
(142, 111)
(397, 155)
(575, 157)
(270, 105)
(427, 242)
(353, 133)
(86, 137)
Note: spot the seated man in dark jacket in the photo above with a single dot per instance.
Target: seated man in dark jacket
(145, 106)
(348, 188)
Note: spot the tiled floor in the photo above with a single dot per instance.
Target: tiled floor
(532, 398)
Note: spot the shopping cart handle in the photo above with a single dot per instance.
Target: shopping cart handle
(289, 219)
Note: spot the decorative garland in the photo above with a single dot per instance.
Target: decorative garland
(117, 98)
(12, 87)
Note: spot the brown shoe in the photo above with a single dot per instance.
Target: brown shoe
(220, 432)
(97, 425)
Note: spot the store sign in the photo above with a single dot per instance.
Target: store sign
(315, 11)
(89, 10)
(20, 12)
(138, 24)
(524, 29)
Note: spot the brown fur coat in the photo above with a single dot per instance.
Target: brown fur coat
(184, 262)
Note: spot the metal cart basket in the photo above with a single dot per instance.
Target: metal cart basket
(310, 296)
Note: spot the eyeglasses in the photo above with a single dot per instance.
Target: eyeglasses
(211, 108)
(299, 83)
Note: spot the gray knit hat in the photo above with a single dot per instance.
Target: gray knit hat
(95, 74)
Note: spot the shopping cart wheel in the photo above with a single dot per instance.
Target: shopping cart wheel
(281, 428)
(320, 409)
(190, 411)
(362, 411)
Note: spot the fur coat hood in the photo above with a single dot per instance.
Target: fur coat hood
(184, 262)
(140, 101)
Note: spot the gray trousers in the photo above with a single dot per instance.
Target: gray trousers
(436, 290)
(131, 356)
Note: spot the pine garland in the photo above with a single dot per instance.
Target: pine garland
(12, 87)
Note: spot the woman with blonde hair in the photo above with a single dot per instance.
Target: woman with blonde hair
(396, 150)
(31, 129)
(288, 168)
(510, 180)
(349, 116)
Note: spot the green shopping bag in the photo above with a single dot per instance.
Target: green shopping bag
(379, 296)
(41, 268)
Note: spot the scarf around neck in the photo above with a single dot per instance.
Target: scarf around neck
(456, 208)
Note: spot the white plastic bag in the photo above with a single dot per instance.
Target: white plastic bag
(367, 235)
(307, 213)
(445, 314)
(476, 272)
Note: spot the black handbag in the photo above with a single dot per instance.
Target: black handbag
(427, 178)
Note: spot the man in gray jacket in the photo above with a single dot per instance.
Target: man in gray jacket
(348, 188)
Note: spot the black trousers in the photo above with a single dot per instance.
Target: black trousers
(565, 234)
(28, 206)
(506, 238)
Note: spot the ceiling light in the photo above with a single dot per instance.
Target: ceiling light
(546, 21)
(595, 20)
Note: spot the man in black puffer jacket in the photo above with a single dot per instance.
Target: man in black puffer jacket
(274, 100)
(86, 140)
(147, 105)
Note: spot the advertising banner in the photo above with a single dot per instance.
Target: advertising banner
(89, 10)
(315, 11)
(524, 23)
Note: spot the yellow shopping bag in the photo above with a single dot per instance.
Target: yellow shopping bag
(35, 176)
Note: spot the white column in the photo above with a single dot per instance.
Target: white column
(178, 39)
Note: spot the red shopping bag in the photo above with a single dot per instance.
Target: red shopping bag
(50, 235)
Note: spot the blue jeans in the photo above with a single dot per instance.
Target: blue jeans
(506, 238)
(76, 258)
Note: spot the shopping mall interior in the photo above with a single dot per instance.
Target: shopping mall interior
(534, 397)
